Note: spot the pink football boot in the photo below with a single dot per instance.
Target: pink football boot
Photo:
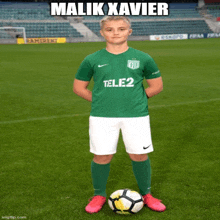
(96, 204)
(153, 203)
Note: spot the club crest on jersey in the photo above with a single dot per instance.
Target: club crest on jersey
(133, 64)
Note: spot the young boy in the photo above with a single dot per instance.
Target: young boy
(119, 102)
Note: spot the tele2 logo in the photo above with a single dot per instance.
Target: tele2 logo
(129, 82)
(123, 82)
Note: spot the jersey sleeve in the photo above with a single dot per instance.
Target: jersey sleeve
(151, 70)
(85, 71)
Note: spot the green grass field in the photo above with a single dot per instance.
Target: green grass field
(44, 153)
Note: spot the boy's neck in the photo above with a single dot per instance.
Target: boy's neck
(117, 49)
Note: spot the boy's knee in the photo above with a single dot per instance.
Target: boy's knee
(138, 157)
(102, 159)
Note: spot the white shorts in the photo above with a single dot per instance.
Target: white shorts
(104, 134)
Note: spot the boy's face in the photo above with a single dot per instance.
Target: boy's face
(116, 31)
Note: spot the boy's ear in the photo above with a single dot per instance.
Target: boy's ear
(101, 32)
(130, 31)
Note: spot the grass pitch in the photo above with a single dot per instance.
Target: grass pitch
(45, 159)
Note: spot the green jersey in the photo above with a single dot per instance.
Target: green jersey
(118, 82)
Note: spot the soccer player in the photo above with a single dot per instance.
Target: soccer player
(119, 102)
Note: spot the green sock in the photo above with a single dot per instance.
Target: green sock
(100, 173)
(142, 173)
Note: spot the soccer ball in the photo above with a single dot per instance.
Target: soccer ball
(125, 201)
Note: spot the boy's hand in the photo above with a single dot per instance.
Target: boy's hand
(155, 87)
(80, 88)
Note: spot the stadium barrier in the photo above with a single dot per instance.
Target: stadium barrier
(42, 40)
(151, 38)
(184, 36)
(205, 35)
(169, 37)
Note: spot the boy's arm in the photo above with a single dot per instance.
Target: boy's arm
(80, 88)
(155, 86)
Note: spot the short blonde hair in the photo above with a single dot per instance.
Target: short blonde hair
(114, 18)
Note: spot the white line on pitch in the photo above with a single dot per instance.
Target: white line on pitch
(75, 115)
(42, 118)
(185, 103)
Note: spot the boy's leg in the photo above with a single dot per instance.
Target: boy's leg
(137, 138)
(100, 168)
(142, 172)
(136, 134)
(104, 134)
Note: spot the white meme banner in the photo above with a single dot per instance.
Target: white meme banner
(169, 37)
(114, 8)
